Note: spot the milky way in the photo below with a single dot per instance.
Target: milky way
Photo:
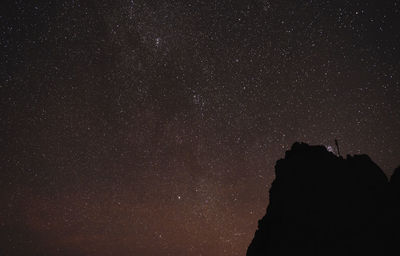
(152, 127)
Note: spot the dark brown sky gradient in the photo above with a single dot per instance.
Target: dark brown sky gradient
(153, 127)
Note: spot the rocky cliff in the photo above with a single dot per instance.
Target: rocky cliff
(323, 204)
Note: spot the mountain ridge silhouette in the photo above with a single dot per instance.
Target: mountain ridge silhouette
(323, 204)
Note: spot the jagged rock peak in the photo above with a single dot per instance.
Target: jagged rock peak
(323, 204)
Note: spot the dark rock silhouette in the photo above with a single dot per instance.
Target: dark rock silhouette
(394, 212)
(322, 204)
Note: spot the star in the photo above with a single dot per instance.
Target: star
(141, 118)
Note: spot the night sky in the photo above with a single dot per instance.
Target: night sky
(152, 127)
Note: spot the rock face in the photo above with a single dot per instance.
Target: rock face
(322, 204)
(394, 213)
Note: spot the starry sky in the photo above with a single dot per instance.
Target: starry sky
(141, 127)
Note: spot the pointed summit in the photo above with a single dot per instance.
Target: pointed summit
(323, 204)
